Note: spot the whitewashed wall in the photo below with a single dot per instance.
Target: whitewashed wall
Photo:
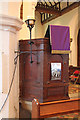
(10, 24)
(70, 19)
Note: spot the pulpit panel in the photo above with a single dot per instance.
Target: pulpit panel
(36, 79)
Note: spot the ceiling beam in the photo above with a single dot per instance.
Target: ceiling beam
(65, 10)
(49, 19)
(70, 7)
(47, 10)
(50, 3)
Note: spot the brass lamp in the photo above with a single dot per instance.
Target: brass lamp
(30, 23)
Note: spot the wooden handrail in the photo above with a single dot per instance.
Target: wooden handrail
(55, 108)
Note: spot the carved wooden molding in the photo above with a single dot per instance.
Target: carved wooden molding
(54, 11)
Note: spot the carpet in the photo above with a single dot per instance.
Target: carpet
(73, 88)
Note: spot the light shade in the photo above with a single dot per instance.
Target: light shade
(30, 22)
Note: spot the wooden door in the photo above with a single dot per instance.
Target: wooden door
(78, 46)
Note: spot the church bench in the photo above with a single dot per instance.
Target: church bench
(54, 108)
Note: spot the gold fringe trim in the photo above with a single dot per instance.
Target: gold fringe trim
(60, 51)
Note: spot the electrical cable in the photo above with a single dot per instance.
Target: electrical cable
(20, 54)
(15, 62)
(10, 84)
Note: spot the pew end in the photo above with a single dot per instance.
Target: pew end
(54, 108)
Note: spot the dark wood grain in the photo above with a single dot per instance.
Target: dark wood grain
(78, 48)
(51, 109)
(35, 78)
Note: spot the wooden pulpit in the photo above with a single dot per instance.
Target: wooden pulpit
(47, 77)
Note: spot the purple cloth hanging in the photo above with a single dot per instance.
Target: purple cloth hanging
(60, 38)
